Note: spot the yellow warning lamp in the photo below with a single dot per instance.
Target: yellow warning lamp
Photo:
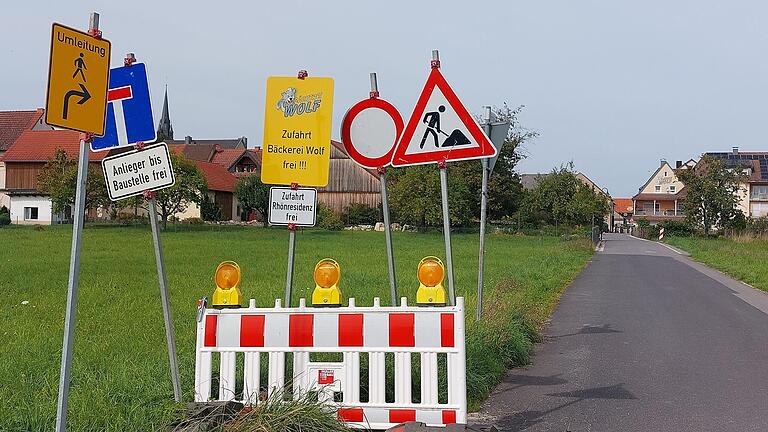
(327, 274)
(227, 293)
(431, 273)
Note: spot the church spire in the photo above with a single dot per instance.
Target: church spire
(164, 129)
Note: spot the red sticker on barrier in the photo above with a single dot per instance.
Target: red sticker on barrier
(446, 330)
(401, 330)
(252, 331)
(300, 330)
(402, 415)
(350, 414)
(325, 376)
(210, 330)
(449, 417)
(351, 330)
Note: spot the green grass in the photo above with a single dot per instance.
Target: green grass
(744, 259)
(120, 375)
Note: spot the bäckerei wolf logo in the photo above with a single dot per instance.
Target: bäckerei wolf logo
(291, 104)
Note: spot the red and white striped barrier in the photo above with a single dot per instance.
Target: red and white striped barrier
(661, 234)
(429, 332)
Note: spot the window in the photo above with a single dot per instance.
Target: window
(760, 192)
(759, 210)
(657, 207)
(658, 188)
(30, 213)
(672, 188)
(665, 173)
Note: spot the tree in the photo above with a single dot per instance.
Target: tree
(189, 188)
(415, 198)
(415, 191)
(58, 179)
(505, 191)
(713, 193)
(252, 194)
(561, 198)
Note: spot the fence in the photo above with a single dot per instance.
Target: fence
(376, 331)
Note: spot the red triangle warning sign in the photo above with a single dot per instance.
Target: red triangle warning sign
(440, 129)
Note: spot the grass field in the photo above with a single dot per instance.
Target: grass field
(746, 260)
(120, 376)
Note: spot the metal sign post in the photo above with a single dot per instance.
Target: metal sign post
(369, 131)
(169, 335)
(447, 231)
(289, 271)
(74, 269)
(483, 211)
(385, 210)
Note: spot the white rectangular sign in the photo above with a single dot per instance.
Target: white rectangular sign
(131, 173)
(292, 206)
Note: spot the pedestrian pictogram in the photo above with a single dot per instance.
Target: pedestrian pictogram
(80, 64)
(77, 80)
(129, 113)
(370, 130)
(297, 131)
(440, 128)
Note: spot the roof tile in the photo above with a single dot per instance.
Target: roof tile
(14, 123)
(40, 146)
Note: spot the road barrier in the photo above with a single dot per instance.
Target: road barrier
(353, 331)
(661, 234)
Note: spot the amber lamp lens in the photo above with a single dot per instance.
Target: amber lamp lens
(227, 276)
(326, 275)
(431, 273)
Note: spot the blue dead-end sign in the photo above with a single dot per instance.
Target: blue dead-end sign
(129, 110)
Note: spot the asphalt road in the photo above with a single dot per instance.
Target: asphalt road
(644, 340)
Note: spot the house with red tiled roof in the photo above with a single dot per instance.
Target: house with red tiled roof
(661, 197)
(221, 190)
(23, 163)
(12, 125)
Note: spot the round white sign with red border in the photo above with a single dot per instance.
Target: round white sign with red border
(370, 130)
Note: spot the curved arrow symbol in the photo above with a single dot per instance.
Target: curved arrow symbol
(84, 97)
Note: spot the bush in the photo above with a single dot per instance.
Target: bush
(5, 219)
(327, 219)
(209, 210)
(5, 210)
(360, 214)
(677, 228)
(194, 221)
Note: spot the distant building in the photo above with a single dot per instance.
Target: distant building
(12, 125)
(661, 197)
(530, 181)
(23, 163)
(753, 196)
(164, 129)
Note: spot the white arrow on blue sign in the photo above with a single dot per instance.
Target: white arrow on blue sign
(129, 113)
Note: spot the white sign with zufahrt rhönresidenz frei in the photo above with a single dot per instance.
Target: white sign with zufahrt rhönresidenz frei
(292, 206)
(131, 173)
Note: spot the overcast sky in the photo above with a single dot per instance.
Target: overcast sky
(611, 85)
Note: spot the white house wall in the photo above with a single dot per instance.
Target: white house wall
(44, 206)
(664, 178)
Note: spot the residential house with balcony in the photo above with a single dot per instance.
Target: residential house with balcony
(661, 197)
(753, 195)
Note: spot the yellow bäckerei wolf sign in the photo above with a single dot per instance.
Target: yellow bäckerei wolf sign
(297, 131)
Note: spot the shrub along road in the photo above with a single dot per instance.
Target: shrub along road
(644, 340)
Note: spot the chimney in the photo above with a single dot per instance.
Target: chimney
(678, 164)
(187, 139)
(663, 161)
(735, 150)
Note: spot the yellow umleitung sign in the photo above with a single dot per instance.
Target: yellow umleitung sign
(297, 131)
(78, 79)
